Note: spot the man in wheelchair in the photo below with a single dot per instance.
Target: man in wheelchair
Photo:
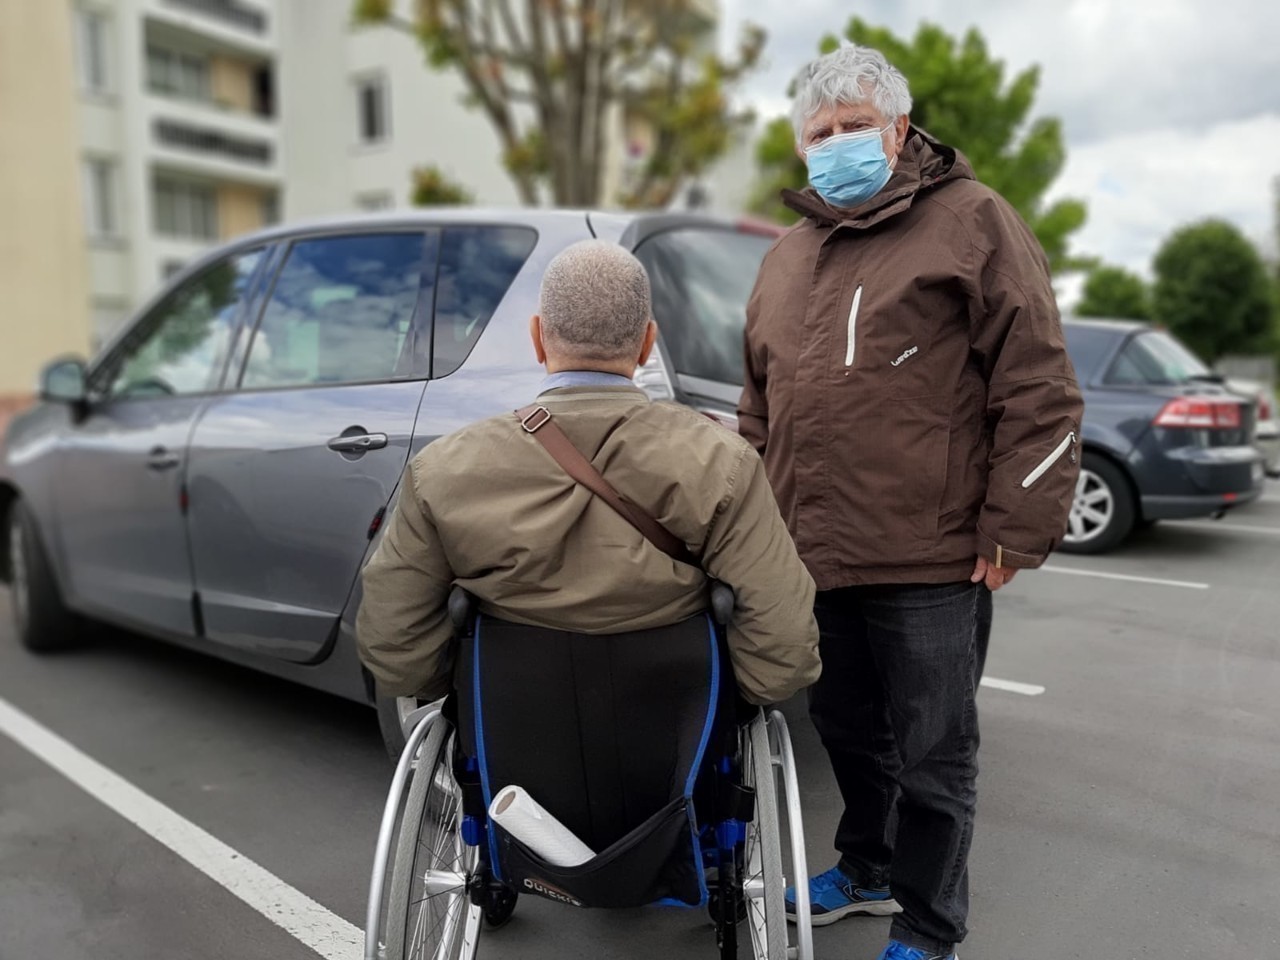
(580, 539)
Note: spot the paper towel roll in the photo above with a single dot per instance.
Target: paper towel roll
(526, 820)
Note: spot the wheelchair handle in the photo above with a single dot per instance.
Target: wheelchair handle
(722, 602)
(462, 612)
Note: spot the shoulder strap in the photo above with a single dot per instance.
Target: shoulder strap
(536, 420)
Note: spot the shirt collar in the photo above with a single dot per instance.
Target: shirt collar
(583, 378)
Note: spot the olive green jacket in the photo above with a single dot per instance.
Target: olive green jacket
(488, 509)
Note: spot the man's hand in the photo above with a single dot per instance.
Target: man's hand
(995, 577)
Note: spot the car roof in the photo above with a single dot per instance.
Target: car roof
(1106, 323)
(606, 223)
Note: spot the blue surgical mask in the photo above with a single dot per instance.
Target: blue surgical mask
(850, 167)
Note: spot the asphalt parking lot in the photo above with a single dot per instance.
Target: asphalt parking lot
(1128, 797)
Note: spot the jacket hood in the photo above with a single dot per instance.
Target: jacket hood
(923, 164)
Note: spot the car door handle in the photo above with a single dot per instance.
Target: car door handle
(162, 459)
(358, 443)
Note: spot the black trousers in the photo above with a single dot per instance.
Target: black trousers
(895, 707)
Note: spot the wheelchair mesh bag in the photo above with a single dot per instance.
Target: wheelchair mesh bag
(608, 734)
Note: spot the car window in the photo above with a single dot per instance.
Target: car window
(701, 280)
(181, 345)
(477, 267)
(1154, 358)
(1089, 347)
(340, 311)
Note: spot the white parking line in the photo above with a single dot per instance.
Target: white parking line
(323, 931)
(1209, 525)
(1012, 686)
(1154, 581)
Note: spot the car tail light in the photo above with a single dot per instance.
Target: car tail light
(1200, 413)
(1264, 407)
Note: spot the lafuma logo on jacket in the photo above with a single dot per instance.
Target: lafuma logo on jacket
(906, 355)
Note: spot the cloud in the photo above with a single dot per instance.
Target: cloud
(1140, 186)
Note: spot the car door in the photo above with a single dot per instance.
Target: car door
(120, 480)
(289, 471)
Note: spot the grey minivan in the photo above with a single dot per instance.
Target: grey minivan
(218, 475)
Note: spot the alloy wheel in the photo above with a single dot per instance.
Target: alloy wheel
(1092, 509)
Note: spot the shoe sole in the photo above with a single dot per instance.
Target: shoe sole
(870, 908)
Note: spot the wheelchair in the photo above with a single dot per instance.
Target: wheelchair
(638, 743)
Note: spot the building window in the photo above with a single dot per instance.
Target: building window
(381, 200)
(92, 33)
(187, 211)
(176, 74)
(371, 106)
(270, 208)
(170, 269)
(102, 208)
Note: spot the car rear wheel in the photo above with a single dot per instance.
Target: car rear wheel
(1103, 512)
(40, 619)
(392, 714)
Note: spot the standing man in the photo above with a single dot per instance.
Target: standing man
(908, 385)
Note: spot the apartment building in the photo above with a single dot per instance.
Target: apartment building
(179, 137)
(43, 267)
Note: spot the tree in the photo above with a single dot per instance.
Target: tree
(432, 188)
(1114, 292)
(961, 97)
(552, 77)
(1212, 291)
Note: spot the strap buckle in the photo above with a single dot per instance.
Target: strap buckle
(531, 424)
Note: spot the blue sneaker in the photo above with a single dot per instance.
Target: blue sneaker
(834, 896)
(897, 950)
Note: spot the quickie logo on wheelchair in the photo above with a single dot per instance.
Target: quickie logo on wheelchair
(537, 886)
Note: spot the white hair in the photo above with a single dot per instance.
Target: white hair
(849, 74)
(595, 302)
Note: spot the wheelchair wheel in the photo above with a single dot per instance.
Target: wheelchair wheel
(429, 910)
(762, 879)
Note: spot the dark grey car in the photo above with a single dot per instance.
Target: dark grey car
(217, 476)
(1164, 439)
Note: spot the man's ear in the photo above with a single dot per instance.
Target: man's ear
(646, 348)
(535, 334)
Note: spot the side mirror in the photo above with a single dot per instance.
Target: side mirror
(63, 381)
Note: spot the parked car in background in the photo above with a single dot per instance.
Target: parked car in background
(218, 475)
(1163, 437)
(1267, 436)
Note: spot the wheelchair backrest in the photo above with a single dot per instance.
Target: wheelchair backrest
(603, 731)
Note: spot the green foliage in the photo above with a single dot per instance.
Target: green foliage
(962, 97)
(1114, 292)
(432, 188)
(553, 76)
(1212, 290)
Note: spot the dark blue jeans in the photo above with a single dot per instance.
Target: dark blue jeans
(895, 709)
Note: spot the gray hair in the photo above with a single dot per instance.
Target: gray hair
(595, 301)
(849, 74)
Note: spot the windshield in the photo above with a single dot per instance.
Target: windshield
(701, 279)
(1155, 358)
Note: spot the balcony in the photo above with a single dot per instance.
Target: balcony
(206, 140)
(233, 13)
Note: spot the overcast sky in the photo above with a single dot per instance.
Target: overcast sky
(1170, 108)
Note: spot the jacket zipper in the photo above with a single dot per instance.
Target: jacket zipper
(1049, 461)
(851, 344)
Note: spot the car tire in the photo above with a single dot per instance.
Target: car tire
(1103, 512)
(41, 620)
(391, 714)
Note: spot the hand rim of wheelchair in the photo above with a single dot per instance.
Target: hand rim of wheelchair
(768, 728)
